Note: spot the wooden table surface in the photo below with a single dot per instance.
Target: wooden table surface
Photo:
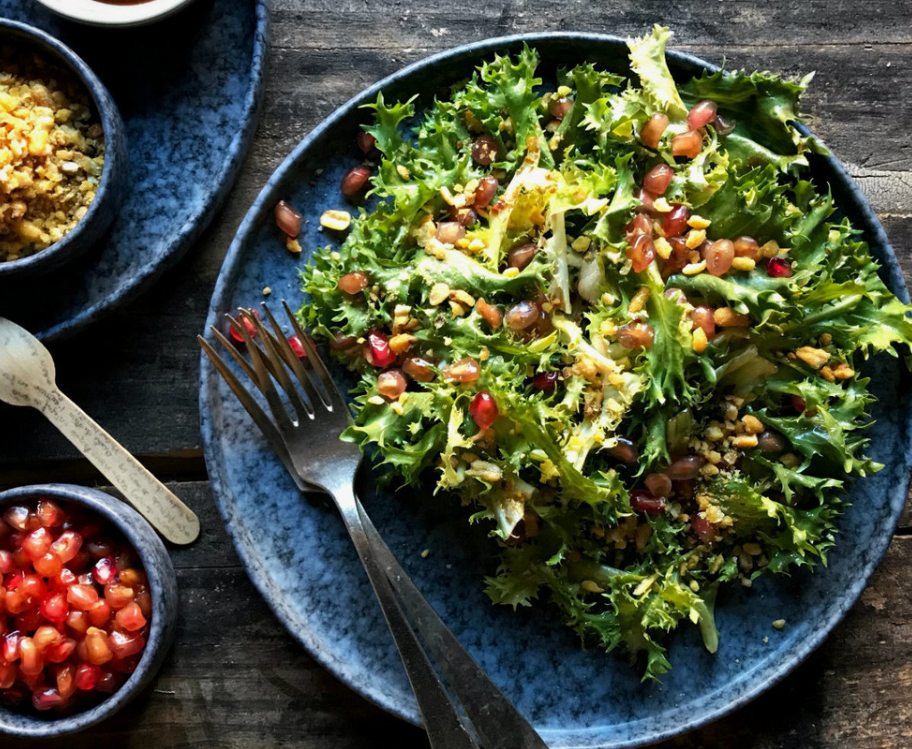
(234, 677)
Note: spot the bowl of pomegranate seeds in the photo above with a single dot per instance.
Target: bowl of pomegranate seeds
(88, 604)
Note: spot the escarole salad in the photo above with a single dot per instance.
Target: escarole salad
(616, 319)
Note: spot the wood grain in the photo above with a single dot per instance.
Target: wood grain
(235, 679)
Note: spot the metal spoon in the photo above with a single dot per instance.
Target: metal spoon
(27, 378)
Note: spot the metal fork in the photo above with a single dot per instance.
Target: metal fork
(307, 442)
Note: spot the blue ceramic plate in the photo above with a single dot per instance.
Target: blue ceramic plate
(190, 107)
(297, 553)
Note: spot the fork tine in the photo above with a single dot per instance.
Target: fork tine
(273, 438)
(294, 362)
(270, 346)
(248, 370)
(262, 378)
(337, 401)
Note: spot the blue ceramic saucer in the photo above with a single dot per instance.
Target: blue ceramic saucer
(297, 553)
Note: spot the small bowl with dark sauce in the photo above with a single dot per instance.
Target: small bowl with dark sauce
(114, 12)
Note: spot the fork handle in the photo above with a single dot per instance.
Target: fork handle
(497, 721)
(444, 727)
(151, 498)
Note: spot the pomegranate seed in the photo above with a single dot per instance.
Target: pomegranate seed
(47, 698)
(130, 618)
(8, 673)
(520, 256)
(107, 683)
(687, 144)
(66, 680)
(799, 404)
(48, 513)
(483, 409)
(63, 581)
(124, 665)
(343, 342)
(366, 142)
(641, 224)
(9, 648)
(702, 114)
(34, 587)
(15, 580)
(82, 596)
(233, 330)
(54, 608)
(771, 442)
(297, 347)
(559, 108)
(779, 267)
(98, 649)
(464, 370)
(31, 662)
(450, 232)
(484, 193)
(125, 644)
(675, 221)
(99, 613)
(463, 216)
(719, 256)
(746, 247)
(78, 621)
(118, 595)
(354, 282)
(354, 181)
(685, 468)
(6, 562)
(29, 620)
(636, 335)
(702, 317)
(491, 314)
(647, 200)
(87, 676)
(485, 150)
(659, 485)
(521, 315)
(45, 637)
(419, 369)
(546, 381)
(651, 133)
(61, 651)
(641, 252)
(288, 219)
(642, 501)
(49, 565)
(377, 350)
(658, 178)
(17, 517)
(703, 528)
(724, 126)
(67, 546)
(391, 384)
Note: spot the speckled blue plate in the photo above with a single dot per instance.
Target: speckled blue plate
(297, 553)
(189, 90)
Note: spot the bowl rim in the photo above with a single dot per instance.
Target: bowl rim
(111, 122)
(111, 14)
(222, 490)
(138, 532)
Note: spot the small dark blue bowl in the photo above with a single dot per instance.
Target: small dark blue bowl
(163, 587)
(112, 185)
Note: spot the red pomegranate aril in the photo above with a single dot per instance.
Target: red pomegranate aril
(450, 232)
(559, 108)
(366, 142)
(33, 586)
(771, 442)
(702, 114)
(641, 252)
(118, 595)
(391, 384)
(724, 126)
(702, 317)
(47, 699)
(464, 216)
(419, 369)
(485, 150)
(63, 581)
(647, 201)
(98, 649)
(799, 404)
(779, 267)
(354, 181)
(354, 282)
(125, 644)
(636, 335)
(546, 382)
(484, 193)
(746, 247)
(641, 224)
(54, 608)
(490, 313)
(124, 665)
(67, 545)
(297, 348)
(235, 333)
(703, 528)
(658, 178)
(6, 562)
(288, 219)
(15, 580)
(686, 468)
(49, 565)
(9, 648)
(66, 680)
(659, 485)
(17, 517)
(483, 409)
(521, 315)
(31, 661)
(87, 676)
(521, 255)
(130, 618)
(675, 221)
(82, 597)
(45, 637)
(61, 651)
(107, 683)
(377, 350)
(342, 342)
(105, 570)
(99, 613)
(144, 601)
(652, 131)
(78, 621)
(29, 620)
(719, 256)
(642, 501)
(464, 370)
(49, 513)
(8, 673)
(687, 144)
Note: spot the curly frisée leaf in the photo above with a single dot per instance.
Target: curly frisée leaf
(631, 439)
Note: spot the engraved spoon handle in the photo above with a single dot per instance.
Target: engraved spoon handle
(152, 499)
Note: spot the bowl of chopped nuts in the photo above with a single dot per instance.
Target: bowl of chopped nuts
(63, 153)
